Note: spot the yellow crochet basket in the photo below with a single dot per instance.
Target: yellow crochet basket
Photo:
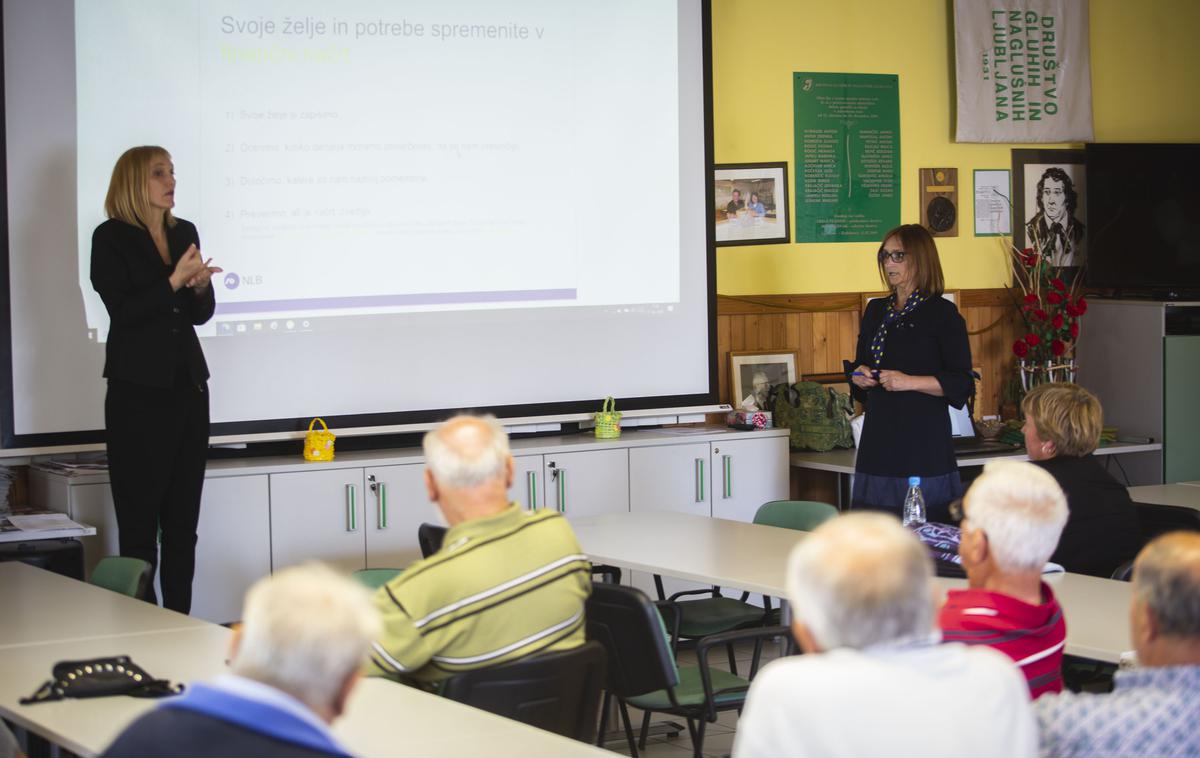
(318, 443)
(608, 420)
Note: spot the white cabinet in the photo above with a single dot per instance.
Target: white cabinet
(588, 483)
(397, 504)
(725, 479)
(747, 472)
(670, 478)
(92, 504)
(529, 482)
(318, 515)
(233, 549)
(363, 510)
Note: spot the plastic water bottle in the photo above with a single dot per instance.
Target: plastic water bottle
(914, 503)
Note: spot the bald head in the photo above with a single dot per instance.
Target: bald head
(467, 451)
(468, 468)
(861, 580)
(1166, 578)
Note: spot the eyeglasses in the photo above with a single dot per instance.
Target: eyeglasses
(956, 510)
(897, 256)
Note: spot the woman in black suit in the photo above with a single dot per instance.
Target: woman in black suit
(147, 268)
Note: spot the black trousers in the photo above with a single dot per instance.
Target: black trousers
(157, 451)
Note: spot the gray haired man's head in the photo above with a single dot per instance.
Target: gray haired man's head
(860, 580)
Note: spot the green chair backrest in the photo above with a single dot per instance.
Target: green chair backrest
(373, 579)
(128, 576)
(803, 515)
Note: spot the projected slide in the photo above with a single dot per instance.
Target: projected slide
(367, 158)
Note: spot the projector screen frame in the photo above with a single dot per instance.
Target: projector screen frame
(389, 422)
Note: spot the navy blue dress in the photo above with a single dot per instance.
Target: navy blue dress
(908, 433)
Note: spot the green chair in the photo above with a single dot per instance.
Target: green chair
(642, 671)
(802, 515)
(128, 576)
(373, 579)
(716, 613)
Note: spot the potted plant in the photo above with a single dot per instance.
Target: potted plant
(1050, 308)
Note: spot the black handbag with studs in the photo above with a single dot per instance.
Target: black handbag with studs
(100, 677)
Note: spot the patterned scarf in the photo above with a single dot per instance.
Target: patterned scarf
(916, 298)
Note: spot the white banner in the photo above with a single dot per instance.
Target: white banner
(1024, 71)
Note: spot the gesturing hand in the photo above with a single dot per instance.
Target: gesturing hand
(192, 270)
(202, 279)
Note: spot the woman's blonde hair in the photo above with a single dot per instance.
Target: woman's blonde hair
(1067, 415)
(921, 253)
(128, 197)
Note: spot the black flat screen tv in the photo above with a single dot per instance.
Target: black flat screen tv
(1144, 219)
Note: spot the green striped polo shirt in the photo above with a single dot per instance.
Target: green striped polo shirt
(501, 587)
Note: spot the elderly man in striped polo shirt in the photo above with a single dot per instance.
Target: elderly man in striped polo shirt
(507, 583)
(1013, 515)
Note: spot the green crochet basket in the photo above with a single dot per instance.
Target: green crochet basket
(608, 420)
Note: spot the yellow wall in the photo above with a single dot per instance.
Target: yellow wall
(1145, 66)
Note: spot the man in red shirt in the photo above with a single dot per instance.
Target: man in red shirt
(1013, 515)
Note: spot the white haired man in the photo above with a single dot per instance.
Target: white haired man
(1154, 709)
(294, 662)
(875, 680)
(1012, 517)
(507, 583)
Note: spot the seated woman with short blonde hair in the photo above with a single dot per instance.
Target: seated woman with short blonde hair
(1062, 427)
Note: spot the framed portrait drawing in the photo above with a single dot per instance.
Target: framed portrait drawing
(752, 373)
(751, 203)
(1050, 204)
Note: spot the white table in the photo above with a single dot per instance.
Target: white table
(382, 718)
(41, 607)
(841, 462)
(1181, 495)
(754, 557)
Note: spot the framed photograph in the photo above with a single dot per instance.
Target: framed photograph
(751, 203)
(752, 373)
(1050, 204)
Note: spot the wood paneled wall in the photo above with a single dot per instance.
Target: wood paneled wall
(824, 329)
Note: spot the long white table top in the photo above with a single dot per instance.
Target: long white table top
(1181, 495)
(842, 461)
(754, 557)
(382, 718)
(41, 607)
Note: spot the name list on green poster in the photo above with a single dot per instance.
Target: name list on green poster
(847, 156)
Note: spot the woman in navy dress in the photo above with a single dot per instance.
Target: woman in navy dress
(912, 361)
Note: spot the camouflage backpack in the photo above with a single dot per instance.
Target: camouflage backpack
(818, 416)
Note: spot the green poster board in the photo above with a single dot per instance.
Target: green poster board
(847, 156)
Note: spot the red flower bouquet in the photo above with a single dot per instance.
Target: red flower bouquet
(1049, 306)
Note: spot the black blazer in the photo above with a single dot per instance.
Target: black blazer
(151, 335)
(1102, 530)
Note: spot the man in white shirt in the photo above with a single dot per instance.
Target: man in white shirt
(874, 680)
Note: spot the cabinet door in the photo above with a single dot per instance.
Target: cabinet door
(397, 503)
(528, 486)
(746, 473)
(318, 516)
(670, 478)
(588, 483)
(233, 547)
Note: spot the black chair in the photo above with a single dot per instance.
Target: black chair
(558, 692)
(429, 537)
(641, 665)
(1124, 572)
(1158, 519)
